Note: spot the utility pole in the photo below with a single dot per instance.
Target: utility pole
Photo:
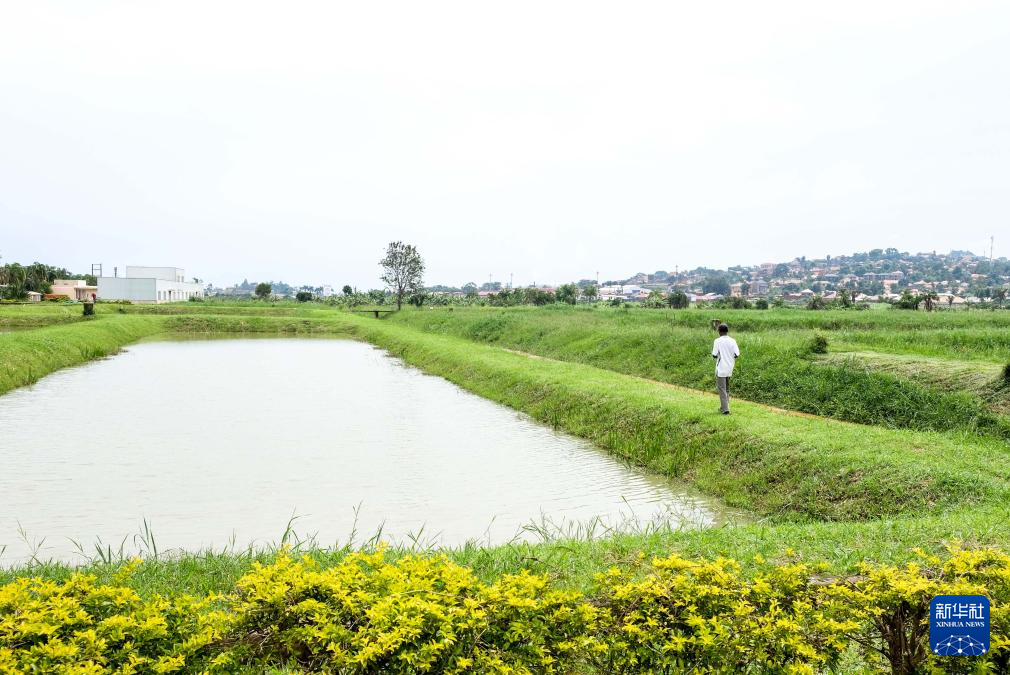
(511, 274)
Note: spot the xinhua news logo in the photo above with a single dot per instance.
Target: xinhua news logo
(959, 625)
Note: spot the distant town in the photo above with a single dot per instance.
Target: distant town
(880, 275)
(954, 279)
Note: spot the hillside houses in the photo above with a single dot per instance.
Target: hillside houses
(959, 278)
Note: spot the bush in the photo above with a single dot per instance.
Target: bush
(908, 301)
(705, 616)
(567, 293)
(656, 300)
(761, 303)
(303, 296)
(367, 614)
(817, 302)
(819, 344)
(51, 627)
(416, 614)
(678, 300)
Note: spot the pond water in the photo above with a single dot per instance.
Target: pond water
(220, 442)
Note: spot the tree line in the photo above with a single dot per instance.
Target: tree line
(17, 280)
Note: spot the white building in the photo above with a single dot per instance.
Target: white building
(149, 284)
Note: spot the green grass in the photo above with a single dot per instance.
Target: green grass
(26, 356)
(36, 315)
(575, 562)
(981, 378)
(771, 461)
(776, 368)
(831, 490)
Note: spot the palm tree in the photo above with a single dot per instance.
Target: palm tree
(929, 299)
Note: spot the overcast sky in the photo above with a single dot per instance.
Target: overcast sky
(553, 140)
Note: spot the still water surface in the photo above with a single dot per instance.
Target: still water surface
(222, 441)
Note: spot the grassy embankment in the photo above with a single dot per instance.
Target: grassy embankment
(832, 491)
(26, 356)
(36, 315)
(777, 367)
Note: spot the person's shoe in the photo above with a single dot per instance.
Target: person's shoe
(725, 412)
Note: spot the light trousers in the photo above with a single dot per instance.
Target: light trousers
(722, 383)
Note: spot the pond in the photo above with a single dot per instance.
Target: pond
(219, 442)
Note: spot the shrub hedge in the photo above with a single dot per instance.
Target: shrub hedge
(371, 614)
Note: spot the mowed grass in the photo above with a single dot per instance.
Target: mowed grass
(777, 367)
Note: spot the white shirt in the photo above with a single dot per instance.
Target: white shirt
(725, 351)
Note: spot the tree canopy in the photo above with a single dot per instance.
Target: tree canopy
(403, 270)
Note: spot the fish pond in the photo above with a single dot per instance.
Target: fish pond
(191, 444)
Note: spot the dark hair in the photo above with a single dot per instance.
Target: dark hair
(723, 329)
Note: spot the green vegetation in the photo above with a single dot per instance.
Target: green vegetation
(777, 368)
(402, 271)
(926, 465)
(367, 613)
(25, 356)
(263, 290)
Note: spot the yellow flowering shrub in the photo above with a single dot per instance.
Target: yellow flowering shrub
(81, 627)
(411, 615)
(891, 607)
(707, 617)
(370, 614)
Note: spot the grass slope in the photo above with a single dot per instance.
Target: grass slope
(673, 346)
(773, 462)
(26, 356)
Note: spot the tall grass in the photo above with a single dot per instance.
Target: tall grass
(783, 465)
(776, 367)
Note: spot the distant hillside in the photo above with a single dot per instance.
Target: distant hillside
(874, 273)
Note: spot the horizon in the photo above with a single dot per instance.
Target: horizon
(504, 284)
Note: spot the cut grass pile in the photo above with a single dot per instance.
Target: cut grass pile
(981, 379)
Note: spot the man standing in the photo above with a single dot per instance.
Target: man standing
(725, 352)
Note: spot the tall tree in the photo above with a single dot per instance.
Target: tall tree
(263, 290)
(715, 284)
(403, 270)
(567, 293)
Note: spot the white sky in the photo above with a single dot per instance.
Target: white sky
(291, 141)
